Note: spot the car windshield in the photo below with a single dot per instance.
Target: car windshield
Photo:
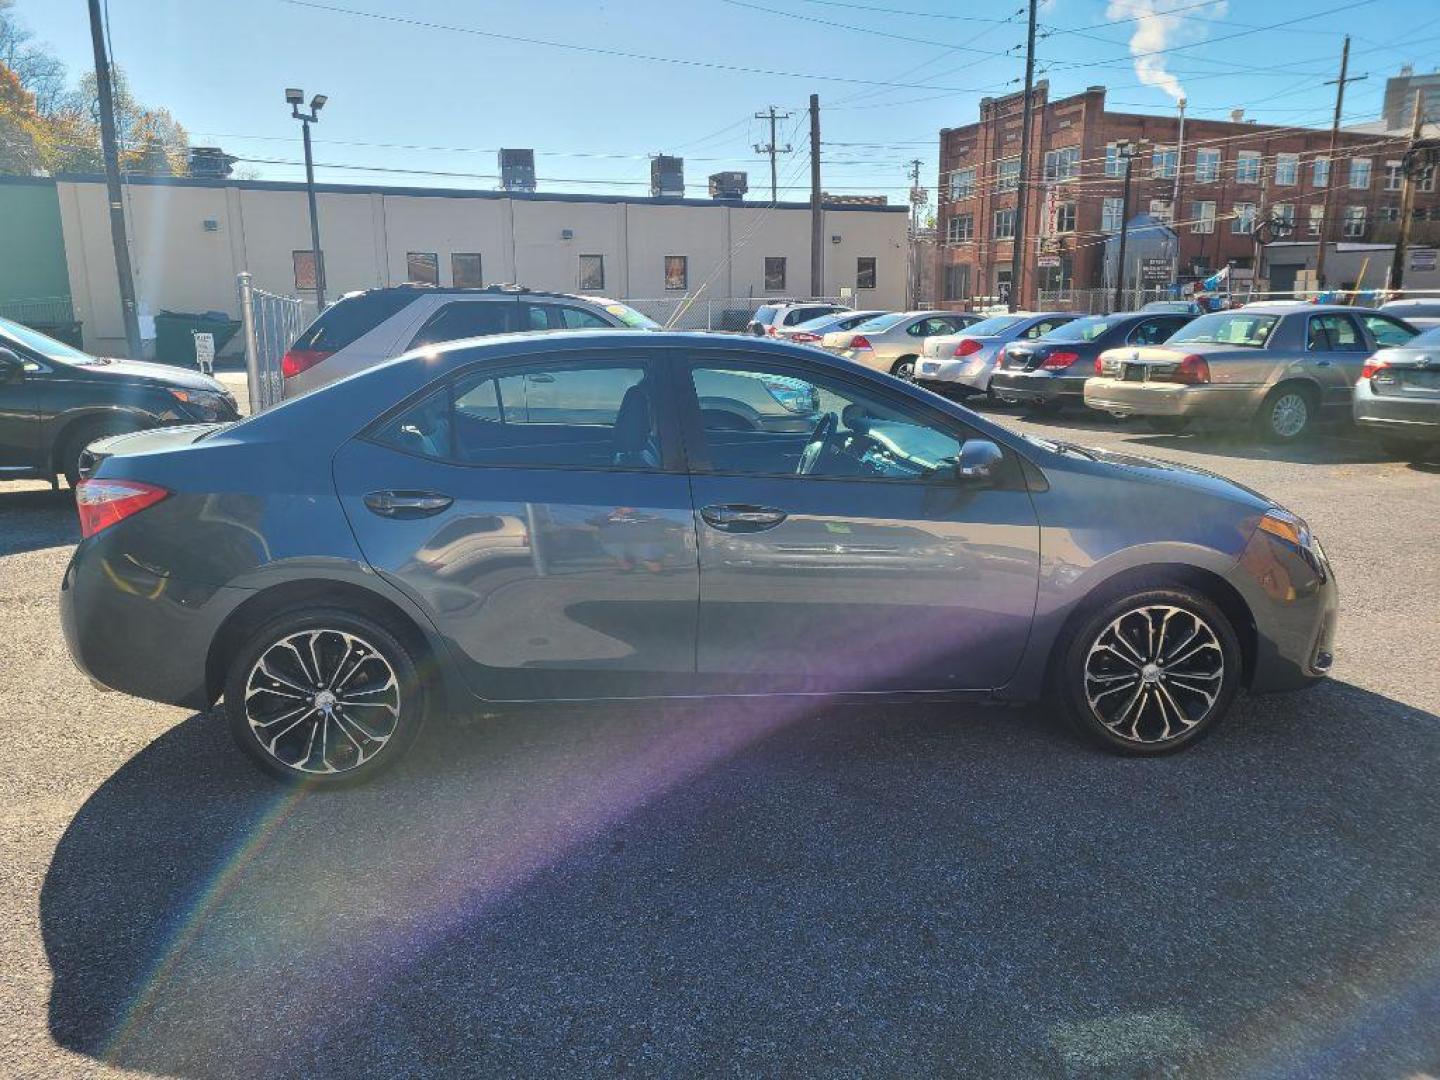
(47, 347)
(1229, 328)
(997, 324)
(881, 322)
(1087, 329)
(632, 318)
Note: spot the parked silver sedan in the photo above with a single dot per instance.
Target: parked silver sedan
(1278, 365)
(1398, 397)
(894, 342)
(961, 364)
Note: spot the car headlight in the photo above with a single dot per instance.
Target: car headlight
(1291, 528)
(206, 404)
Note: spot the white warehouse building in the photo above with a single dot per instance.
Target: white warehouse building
(190, 238)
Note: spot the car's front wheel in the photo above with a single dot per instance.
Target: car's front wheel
(325, 697)
(1151, 671)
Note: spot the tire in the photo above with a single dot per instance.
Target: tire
(1408, 449)
(388, 709)
(1171, 705)
(1288, 413)
(74, 444)
(904, 368)
(1167, 425)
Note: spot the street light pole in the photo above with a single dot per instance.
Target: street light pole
(1127, 150)
(294, 97)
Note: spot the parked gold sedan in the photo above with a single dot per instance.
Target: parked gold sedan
(895, 342)
(1278, 365)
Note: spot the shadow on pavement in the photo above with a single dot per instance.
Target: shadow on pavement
(746, 889)
(36, 518)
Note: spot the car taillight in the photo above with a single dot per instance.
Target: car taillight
(1373, 364)
(860, 341)
(1058, 361)
(1099, 366)
(297, 360)
(102, 503)
(967, 346)
(1192, 369)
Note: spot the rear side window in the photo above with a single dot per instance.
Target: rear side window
(564, 317)
(464, 319)
(1086, 329)
(351, 318)
(580, 415)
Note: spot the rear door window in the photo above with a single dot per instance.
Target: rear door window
(1386, 331)
(564, 317)
(1334, 333)
(351, 318)
(465, 319)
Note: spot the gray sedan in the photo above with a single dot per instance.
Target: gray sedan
(1277, 365)
(961, 364)
(1398, 396)
(552, 517)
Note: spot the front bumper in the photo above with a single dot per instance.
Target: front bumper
(131, 629)
(1169, 399)
(1294, 600)
(1036, 387)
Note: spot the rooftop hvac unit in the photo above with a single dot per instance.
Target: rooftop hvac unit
(729, 185)
(667, 177)
(517, 170)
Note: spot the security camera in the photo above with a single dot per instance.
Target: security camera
(294, 97)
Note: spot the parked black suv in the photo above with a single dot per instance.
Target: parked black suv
(56, 400)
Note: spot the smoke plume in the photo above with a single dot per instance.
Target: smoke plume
(1158, 26)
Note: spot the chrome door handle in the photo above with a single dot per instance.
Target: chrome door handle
(741, 517)
(407, 504)
(1323, 363)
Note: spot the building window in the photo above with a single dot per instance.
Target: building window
(962, 183)
(1427, 179)
(959, 228)
(1207, 166)
(1062, 164)
(592, 273)
(1394, 178)
(1112, 213)
(1009, 174)
(1163, 161)
(304, 269)
(1202, 217)
(1247, 167)
(865, 272)
(1162, 210)
(1354, 222)
(1243, 221)
(957, 282)
(1287, 169)
(1114, 163)
(1004, 227)
(677, 273)
(422, 267)
(1320, 172)
(465, 270)
(1388, 213)
(1283, 213)
(1065, 216)
(775, 273)
(1360, 172)
(1317, 217)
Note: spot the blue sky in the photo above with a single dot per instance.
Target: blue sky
(439, 99)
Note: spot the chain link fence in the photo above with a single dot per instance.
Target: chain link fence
(726, 315)
(1099, 301)
(271, 325)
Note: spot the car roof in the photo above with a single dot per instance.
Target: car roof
(627, 339)
(422, 289)
(1282, 307)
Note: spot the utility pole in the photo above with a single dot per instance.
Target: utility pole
(109, 147)
(916, 201)
(1128, 150)
(1175, 215)
(1412, 169)
(1022, 190)
(1339, 85)
(772, 149)
(817, 224)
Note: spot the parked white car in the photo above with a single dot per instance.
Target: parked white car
(894, 342)
(961, 364)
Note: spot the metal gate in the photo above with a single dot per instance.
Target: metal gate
(271, 323)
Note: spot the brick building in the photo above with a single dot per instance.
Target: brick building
(1228, 174)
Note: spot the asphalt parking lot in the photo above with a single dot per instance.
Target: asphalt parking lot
(757, 892)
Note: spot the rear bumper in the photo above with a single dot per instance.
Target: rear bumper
(1414, 418)
(1169, 399)
(138, 632)
(1034, 387)
(953, 375)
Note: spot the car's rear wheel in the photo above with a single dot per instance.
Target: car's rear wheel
(1167, 425)
(324, 697)
(904, 368)
(74, 443)
(1288, 413)
(1151, 671)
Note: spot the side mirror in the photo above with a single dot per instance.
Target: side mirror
(980, 459)
(11, 366)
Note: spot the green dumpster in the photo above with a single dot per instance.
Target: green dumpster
(175, 334)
